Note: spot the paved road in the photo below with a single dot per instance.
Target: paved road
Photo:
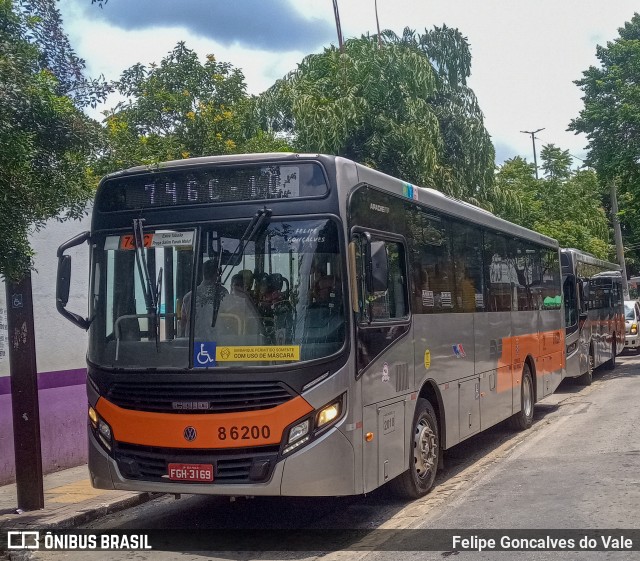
(576, 468)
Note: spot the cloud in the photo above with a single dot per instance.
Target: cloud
(272, 26)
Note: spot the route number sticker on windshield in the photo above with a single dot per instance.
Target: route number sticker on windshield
(152, 239)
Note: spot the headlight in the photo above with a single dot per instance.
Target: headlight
(304, 431)
(104, 429)
(298, 431)
(101, 428)
(634, 328)
(298, 435)
(328, 413)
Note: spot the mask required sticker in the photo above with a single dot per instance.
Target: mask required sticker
(257, 353)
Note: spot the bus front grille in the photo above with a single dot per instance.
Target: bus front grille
(198, 397)
(146, 463)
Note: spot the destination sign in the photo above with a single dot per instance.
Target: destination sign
(211, 185)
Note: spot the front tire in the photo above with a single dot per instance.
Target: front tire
(524, 418)
(424, 455)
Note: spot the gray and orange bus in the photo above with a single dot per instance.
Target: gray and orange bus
(291, 324)
(594, 313)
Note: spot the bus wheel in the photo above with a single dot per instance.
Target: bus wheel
(524, 418)
(611, 363)
(587, 377)
(424, 455)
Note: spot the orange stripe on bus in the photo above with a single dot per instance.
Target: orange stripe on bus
(547, 348)
(216, 430)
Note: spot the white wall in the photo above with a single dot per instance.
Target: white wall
(59, 344)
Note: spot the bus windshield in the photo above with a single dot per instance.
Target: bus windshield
(266, 292)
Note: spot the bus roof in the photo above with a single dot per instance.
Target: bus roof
(344, 167)
(449, 205)
(584, 257)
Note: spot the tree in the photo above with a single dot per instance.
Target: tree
(611, 114)
(403, 108)
(611, 120)
(565, 205)
(181, 108)
(556, 163)
(46, 139)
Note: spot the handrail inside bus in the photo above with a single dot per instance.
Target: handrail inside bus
(116, 326)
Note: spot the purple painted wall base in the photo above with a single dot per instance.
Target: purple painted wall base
(63, 424)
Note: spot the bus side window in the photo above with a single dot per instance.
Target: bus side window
(498, 273)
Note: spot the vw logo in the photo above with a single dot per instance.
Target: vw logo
(190, 434)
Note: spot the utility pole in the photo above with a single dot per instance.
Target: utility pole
(375, 5)
(24, 394)
(338, 27)
(617, 235)
(533, 140)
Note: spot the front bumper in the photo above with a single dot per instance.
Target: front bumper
(326, 467)
(631, 341)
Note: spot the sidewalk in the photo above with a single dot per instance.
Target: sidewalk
(69, 501)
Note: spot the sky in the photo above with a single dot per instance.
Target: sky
(526, 55)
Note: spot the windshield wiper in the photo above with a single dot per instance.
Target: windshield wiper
(151, 293)
(259, 221)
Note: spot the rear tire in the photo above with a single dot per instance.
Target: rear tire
(587, 377)
(424, 455)
(523, 419)
(611, 363)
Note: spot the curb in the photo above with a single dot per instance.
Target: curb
(99, 511)
(74, 520)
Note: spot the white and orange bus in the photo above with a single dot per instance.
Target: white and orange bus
(291, 324)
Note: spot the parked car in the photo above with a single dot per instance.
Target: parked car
(632, 321)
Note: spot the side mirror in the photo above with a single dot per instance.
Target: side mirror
(379, 267)
(63, 284)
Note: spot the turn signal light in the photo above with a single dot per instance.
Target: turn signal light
(93, 417)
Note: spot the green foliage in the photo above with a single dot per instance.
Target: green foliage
(181, 108)
(402, 108)
(611, 114)
(556, 163)
(565, 204)
(46, 140)
(611, 120)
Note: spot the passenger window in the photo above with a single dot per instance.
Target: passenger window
(499, 272)
(467, 252)
(436, 284)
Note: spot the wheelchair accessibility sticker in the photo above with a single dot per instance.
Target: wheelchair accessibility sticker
(204, 354)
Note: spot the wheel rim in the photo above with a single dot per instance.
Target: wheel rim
(425, 449)
(527, 397)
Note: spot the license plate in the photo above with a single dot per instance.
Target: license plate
(191, 472)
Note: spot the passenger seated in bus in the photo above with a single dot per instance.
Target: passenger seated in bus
(204, 292)
(269, 291)
(238, 321)
(247, 281)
